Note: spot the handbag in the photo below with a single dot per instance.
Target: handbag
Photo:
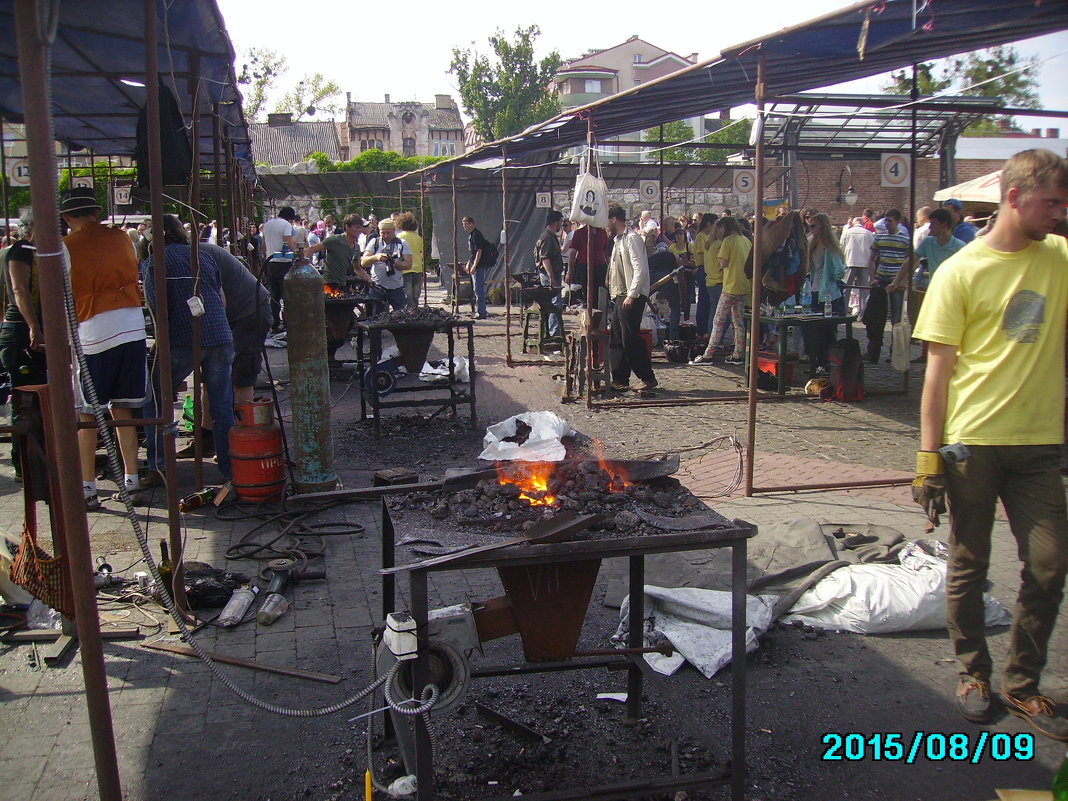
(41, 574)
(590, 201)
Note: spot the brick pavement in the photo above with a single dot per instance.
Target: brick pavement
(181, 734)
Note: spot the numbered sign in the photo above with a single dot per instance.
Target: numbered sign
(18, 170)
(82, 182)
(744, 182)
(649, 191)
(543, 200)
(122, 195)
(896, 170)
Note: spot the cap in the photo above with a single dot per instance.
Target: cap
(954, 203)
(387, 223)
(81, 198)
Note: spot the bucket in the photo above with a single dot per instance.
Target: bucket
(256, 453)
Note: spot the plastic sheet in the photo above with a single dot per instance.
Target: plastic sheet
(543, 443)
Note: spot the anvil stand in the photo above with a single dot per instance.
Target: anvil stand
(635, 549)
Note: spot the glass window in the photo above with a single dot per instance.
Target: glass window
(593, 86)
(409, 146)
(637, 58)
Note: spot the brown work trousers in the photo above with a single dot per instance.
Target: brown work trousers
(1027, 480)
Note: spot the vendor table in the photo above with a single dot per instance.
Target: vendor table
(802, 321)
(635, 549)
(373, 331)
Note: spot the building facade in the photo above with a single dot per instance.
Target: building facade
(410, 128)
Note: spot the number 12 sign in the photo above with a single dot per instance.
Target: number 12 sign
(896, 170)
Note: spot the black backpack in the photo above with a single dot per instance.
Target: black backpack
(845, 371)
(489, 254)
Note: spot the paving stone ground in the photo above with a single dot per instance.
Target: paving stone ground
(181, 734)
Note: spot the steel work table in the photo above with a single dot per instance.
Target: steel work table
(635, 549)
(802, 321)
(373, 331)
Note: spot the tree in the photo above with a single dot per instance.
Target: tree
(738, 131)
(311, 95)
(511, 94)
(677, 131)
(259, 71)
(1017, 90)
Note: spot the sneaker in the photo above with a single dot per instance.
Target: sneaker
(734, 360)
(703, 359)
(92, 503)
(973, 699)
(1038, 711)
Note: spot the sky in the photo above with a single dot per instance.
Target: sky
(372, 57)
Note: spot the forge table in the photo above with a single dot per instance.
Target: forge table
(456, 396)
(804, 322)
(735, 537)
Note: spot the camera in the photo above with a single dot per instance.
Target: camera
(391, 261)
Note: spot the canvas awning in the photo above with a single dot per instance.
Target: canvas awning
(984, 189)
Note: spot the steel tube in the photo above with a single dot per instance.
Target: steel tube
(758, 236)
(73, 528)
(507, 263)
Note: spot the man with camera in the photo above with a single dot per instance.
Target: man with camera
(385, 259)
(991, 427)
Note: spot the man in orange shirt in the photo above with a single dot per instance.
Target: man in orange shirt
(111, 328)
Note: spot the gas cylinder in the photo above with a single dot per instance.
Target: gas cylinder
(256, 453)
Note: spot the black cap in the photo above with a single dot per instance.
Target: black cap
(81, 198)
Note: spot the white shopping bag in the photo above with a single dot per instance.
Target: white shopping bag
(901, 334)
(590, 204)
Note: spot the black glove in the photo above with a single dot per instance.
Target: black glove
(929, 486)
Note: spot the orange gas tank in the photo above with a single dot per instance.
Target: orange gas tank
(256, 453)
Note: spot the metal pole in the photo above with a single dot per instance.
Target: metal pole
(914, 95)
(758, 237)
(159, 277)
(423, 227)
(455, 253)
(3, 173)
(36, 97)
(660, 177)
(194, 271)
(507, 256)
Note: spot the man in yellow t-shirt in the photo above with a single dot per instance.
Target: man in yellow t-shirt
(413, 276)
(995, 320)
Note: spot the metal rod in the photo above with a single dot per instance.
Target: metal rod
(758, 241)
(456, 254)
(738, 630)
(73, 528)
(915, 93)
(507, 260)
(875, 482)
(194, 271)
(3, 174)
(163, 336)
(424, 229)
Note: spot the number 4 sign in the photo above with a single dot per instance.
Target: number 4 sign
(896, 170)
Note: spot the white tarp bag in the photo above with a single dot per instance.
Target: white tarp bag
(881, 599)
(697, 622)
(438, 371)
(543, 443)
(590, 204)
(900, 336)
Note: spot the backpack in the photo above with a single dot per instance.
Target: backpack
(846, 372)
(489, 254)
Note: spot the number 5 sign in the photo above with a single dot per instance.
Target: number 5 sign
(896, 170)
(744, 182)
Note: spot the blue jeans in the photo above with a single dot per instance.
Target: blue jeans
(215, 373)
(394, 297)
(478, 280)
(556, 319)
(703, 314)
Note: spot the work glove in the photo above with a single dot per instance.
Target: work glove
(929, 486)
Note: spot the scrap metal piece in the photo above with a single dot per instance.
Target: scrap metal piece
(519, 728)
(691, 523)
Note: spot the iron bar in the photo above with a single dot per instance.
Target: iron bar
(758, 241)
(507, 261)
(73, 529)
(194, 271)
(456, 254)
(875, 482)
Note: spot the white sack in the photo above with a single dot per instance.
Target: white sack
(697, 622)
(439, 370)
(901, 333)
(880, 599)
(543, 444)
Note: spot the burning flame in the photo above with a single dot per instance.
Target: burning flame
(332, 293)
(617, 477)
(531, 477)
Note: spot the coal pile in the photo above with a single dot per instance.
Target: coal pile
(526, 492)
(420, 315)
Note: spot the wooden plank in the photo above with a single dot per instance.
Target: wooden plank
(297, 673)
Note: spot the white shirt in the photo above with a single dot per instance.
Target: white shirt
(628, 274)
(272, 232)
(857, 243)
(921, 233)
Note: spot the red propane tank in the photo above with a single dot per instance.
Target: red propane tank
(256, 453)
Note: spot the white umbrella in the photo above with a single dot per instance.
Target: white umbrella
(985, 189)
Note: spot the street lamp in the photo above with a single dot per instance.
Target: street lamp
(849, 196)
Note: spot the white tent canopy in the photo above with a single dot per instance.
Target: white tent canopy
(984, 189)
